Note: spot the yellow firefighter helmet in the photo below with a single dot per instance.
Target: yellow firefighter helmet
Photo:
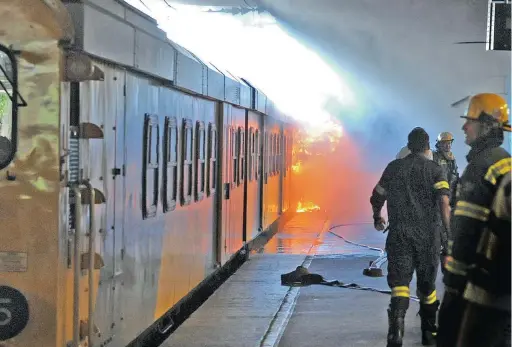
(445, 136)
(487, 107)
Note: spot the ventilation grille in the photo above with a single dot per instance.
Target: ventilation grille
(74, 172)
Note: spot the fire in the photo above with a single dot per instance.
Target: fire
(308, 206)
(296, 167)
(319, 140)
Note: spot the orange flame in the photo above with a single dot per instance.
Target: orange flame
(296, 167)
(307, 207)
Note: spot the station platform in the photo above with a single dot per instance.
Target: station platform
(252, 308)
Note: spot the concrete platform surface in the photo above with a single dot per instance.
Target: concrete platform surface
(330, 316)
(242, 311)
(252, 308)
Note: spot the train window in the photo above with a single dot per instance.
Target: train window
(200, 160)
(187, 150)
(288, 153)
(276, 156)
(269, 155)
(272, 154)
(234, 152)
(170, 154)
(258, 153)
(276, 153)
(285, 154)
(229, 173)
(279, 146)
(212, 159)
(241, 136)
(10, 100)
(150, 166)
(251, 154)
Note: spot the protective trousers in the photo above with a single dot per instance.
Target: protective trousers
(410, 249)
(468, 325)
(482, 326)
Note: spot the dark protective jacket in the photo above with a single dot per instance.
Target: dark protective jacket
(478, 262)
(450, 168)
(411, 187)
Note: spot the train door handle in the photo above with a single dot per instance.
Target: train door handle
(227, 191)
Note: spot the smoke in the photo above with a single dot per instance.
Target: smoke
(397, 57)
(401, 59)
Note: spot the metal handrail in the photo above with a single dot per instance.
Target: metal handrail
(76, 267)
(92, 237)
(77, 264)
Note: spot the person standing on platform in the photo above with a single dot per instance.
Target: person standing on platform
(476, 305)
(416, 190)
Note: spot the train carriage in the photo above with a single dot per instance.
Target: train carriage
(131, 173)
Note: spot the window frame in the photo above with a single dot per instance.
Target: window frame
(15, 104)
(200, 182)
(186, 195)
(171, 127)
(212, 156)
(258, 154)
(150, 122)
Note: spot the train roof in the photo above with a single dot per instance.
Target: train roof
(115, 31)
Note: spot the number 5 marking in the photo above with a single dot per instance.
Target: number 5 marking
(6, 312)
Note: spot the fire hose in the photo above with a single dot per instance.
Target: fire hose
(302, 277)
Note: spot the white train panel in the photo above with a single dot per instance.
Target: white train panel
(215, 83)
(131, 39)
(111, 6)
(168, 253)
(154, 56)
(261, 102)
(189, 71)
(106, 36)
(102, 103)
(140, 21)
(245, 95)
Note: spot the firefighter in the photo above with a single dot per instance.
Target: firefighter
(444, 157)
(476, 304)
(415, 188)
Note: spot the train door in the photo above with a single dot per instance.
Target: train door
(280, 169)
(253, 181)
(103, 104)
(227, 155)
(118, 175)
(233, 181)
(239, 173)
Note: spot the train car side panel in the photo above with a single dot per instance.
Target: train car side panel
(102, 104)
(233, 200)
(271, 202)
(254, 180)
(143, 235)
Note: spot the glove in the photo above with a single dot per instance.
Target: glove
(379, 223)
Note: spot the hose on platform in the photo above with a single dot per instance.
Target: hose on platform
(302, 277)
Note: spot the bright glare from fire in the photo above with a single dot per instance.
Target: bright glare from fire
(307, 206)
(253, 46)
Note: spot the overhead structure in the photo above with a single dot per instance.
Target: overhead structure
(498, 26)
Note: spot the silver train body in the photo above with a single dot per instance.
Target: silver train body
(137, 172)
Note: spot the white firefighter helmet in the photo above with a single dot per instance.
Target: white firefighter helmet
(405, 151)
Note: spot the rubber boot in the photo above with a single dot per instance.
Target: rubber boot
(396, 320)
(428, 323)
